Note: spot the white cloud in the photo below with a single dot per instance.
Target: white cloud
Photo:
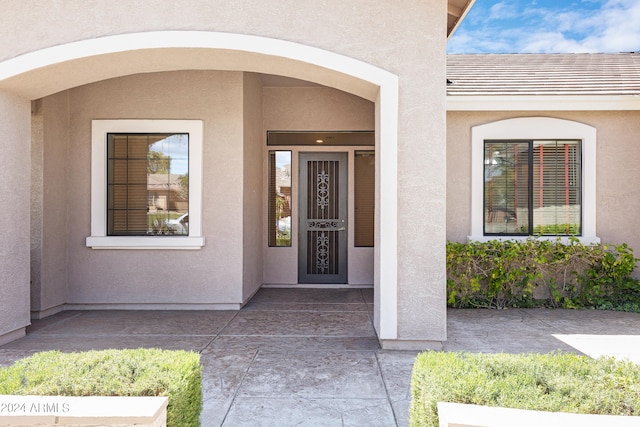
(502, 10)
(472, 42)
(614, 27)
(619, 28)
(551, 42)
(566, 21)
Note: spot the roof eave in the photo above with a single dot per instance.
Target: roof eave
(459, 14)
(544, 103)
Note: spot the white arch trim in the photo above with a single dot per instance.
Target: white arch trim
(103, 58)
(43, 72)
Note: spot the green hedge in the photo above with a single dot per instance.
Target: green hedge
(140, 372)
(537, 272)
(552, 382)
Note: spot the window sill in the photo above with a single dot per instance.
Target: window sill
(143, 242)
(585, 240)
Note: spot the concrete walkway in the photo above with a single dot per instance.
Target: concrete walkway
(310, 356)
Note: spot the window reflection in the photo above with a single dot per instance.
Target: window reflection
(532, 188)
(147, 184)
(279, 198)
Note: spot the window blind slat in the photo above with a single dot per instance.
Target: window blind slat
(364, 203)
(144, 202)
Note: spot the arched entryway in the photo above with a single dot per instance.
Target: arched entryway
(48, 71)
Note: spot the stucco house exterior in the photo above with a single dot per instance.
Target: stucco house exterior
(345, 92)
(304, 144)
(558, 133)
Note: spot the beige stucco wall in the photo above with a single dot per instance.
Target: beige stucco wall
(422, 182)
(354, 28)
(210, 275)
(618, 154)
(252, 189)
(405, 39)
(229, 269)
(36, 211)
(15, 123)
(50, 148)
(316, 108)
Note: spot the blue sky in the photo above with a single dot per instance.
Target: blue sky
(177, 147)
(549, 26)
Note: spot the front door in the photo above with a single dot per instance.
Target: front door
(322, 256)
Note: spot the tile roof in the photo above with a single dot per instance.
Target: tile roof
(543, 74)
(163, 181)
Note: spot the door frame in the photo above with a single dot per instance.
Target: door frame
(281, 263)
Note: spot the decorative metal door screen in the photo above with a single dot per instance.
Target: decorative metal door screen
(323, 218)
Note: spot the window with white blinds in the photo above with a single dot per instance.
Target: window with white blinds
(365, 197)
(532, 187)
(146, 184)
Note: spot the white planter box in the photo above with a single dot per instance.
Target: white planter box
(91, 411)
(461, 415)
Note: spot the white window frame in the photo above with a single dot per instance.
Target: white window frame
(535, 128)
(99, 131)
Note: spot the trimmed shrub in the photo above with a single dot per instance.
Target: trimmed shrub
(533, 272)
(140, 372)
(554, 382)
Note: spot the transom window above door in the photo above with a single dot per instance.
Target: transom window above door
(321, 138)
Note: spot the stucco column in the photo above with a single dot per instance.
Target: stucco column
(421, 190)
(15, 116)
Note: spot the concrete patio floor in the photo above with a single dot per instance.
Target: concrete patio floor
(311, 356)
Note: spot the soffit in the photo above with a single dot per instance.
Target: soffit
(456, 11)
(543, 74)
